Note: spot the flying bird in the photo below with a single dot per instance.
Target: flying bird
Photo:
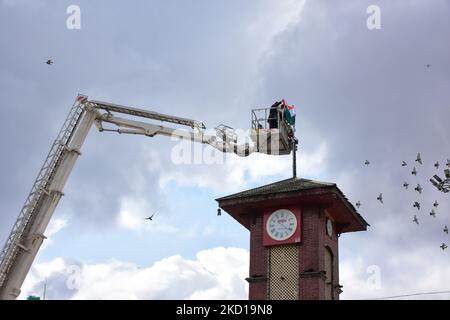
(219, 212)
(436, 165)
(447, 175)
(49, 62)
(404, 164)
(428, 65)
(416, 205)
(406, 185)
(418, 188)
(149, 218)
(366, 162)
(380, 198)
(419, 159)
(358, 204)
(443, 246)
(433, 213)
(435, 204)
(414, 172)
(446, 230)
(415, 220)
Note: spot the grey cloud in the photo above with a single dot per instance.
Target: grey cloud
(366, 93)
(178, 58)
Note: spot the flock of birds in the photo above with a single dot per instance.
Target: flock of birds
(419, 189)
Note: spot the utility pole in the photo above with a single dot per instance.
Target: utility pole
(45, 289)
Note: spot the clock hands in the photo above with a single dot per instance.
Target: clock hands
(283, 225)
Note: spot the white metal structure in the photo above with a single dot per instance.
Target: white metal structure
(27, 233)
(442, 185)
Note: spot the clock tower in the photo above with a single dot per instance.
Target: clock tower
(294, 228)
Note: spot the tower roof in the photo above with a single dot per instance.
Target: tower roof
(294, 191)
(288, 185)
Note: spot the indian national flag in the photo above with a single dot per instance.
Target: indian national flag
(289, 113)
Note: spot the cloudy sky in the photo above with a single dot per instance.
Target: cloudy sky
(360, 94)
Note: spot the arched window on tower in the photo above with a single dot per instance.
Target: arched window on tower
(329, 267)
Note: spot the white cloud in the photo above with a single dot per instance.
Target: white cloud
(132, 214)
(236, 173)
(138, 203)
(209, 230)
(313, 163)
(55, 225)
(276, 20)
(230, 266)
(217, 273)
(220, 273)
(36, 278)
(399, 274)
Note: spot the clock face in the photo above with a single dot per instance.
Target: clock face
(281, 224)
(329, 228)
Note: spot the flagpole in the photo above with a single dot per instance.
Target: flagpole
(294, 157)
(289, 113)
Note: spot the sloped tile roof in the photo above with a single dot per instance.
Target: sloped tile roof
(288, 185)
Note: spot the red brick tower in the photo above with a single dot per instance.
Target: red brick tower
(294, 229)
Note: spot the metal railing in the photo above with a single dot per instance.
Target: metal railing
(261, 119)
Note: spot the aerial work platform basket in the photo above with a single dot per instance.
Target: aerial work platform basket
(271, 130)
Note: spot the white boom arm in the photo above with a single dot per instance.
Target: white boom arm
(27, 234)
(223, 141)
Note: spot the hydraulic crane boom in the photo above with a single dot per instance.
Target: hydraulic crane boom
(228, 144)
(27, 234)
